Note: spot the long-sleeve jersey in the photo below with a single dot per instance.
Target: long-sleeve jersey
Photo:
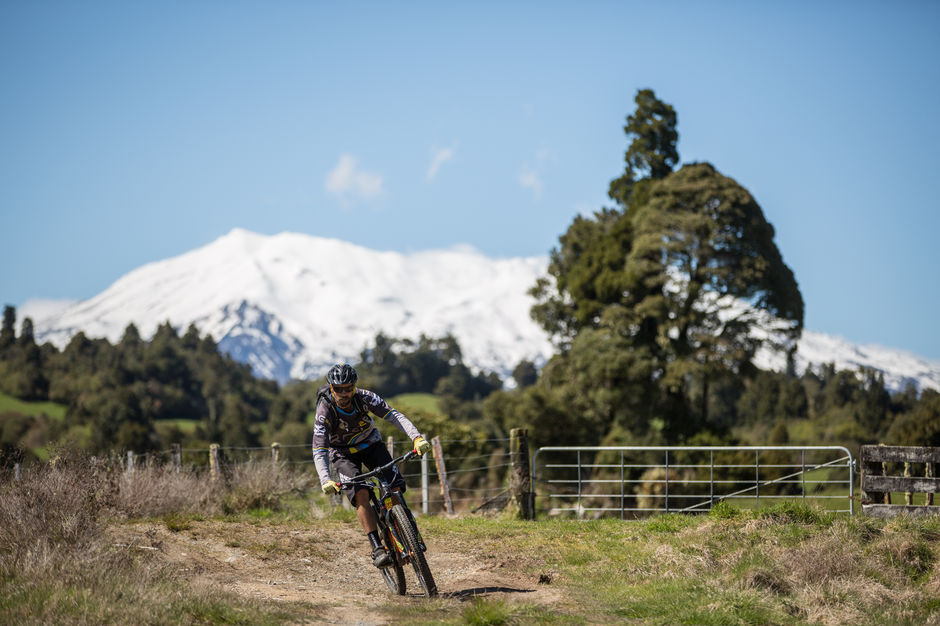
(334, 428)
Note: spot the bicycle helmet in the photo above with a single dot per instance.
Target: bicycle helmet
(342, 375)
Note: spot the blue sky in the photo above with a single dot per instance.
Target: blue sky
(133, 131)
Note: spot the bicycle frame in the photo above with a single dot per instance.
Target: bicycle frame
(397, 528)
(386, 496)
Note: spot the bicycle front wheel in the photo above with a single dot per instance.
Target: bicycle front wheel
(393, 574)
(407, 532)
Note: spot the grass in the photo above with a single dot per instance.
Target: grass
(785, 564)
(53, 410)
(788, 564)
(421, 401)
(58, 565)
(185, 426)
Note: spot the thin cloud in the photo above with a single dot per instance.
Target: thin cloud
(438, 158)
(530, 179)
(346, 180)
(531, 175)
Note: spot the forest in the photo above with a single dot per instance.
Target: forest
(657, 307)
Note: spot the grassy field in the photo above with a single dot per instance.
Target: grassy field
(185, 426)
(421, 401)
(790, 564)
(53, 410)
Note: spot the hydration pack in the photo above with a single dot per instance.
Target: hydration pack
(324, 393)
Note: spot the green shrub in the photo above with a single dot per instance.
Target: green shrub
(793, 511)
(725, 510)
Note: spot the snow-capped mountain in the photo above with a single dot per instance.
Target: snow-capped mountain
(291, 305)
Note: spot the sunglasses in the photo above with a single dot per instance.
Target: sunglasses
(343, 389)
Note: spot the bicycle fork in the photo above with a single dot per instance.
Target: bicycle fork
(389, 501)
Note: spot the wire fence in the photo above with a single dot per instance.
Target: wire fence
(476, 469)
(470, 475)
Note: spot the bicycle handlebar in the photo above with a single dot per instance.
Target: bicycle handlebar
(361, 478)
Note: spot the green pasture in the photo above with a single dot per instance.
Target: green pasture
(53, 410)
(427, 402)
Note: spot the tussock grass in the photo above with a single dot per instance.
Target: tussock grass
(159, 490)
(260, 486)
(58, 563)
(789, 564)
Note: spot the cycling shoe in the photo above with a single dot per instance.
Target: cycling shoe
(380, 557)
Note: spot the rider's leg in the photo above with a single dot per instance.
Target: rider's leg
(366, 515)
(364, 511)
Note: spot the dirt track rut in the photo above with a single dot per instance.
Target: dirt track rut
(320, 563)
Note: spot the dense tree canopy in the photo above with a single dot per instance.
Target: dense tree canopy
(685, 275)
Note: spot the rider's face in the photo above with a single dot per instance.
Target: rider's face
(343, 394)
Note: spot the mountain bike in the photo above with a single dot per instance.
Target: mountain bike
(397, 529)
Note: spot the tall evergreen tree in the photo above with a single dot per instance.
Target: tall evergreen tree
(8, 329)
(684, 273)
(704, 243)
(652, 154)
(27, 334)
(525, 373)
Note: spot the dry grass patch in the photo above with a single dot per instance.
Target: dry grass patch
(160, 490)
(58, 563)
(819, 560)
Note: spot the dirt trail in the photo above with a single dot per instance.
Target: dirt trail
(315, 563)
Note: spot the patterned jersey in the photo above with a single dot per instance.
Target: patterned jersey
(354, 430)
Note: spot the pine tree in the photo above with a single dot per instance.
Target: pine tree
(652, 154)
(8, 330)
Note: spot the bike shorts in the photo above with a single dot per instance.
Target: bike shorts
(349, 465)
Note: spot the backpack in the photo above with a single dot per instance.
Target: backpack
(324, 393)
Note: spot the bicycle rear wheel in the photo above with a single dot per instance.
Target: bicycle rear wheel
(393, 574)
(408, 533)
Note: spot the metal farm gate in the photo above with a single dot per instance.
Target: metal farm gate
(638, 481)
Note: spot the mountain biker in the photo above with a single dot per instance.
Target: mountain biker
(345, 435)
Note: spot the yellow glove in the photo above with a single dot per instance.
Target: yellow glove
(329, 487)
(421, 446)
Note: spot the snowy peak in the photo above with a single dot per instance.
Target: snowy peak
(291, 305)
(900, 368)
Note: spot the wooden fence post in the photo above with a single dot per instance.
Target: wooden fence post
(275, 454)
(442, 474)
(214, 461)
(391, 446)
(930, 471)
(17, 471)
(425, 488)
(875, 468)
(520, 478)
(908, 495)
(130, 462)
(177, 456)
(884, 472)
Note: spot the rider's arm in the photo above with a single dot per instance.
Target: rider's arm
(321, 444)
(380, 408)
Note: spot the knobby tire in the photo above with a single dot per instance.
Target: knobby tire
(407, 533)
(393, 574)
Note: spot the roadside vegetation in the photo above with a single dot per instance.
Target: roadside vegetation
(62, 559)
